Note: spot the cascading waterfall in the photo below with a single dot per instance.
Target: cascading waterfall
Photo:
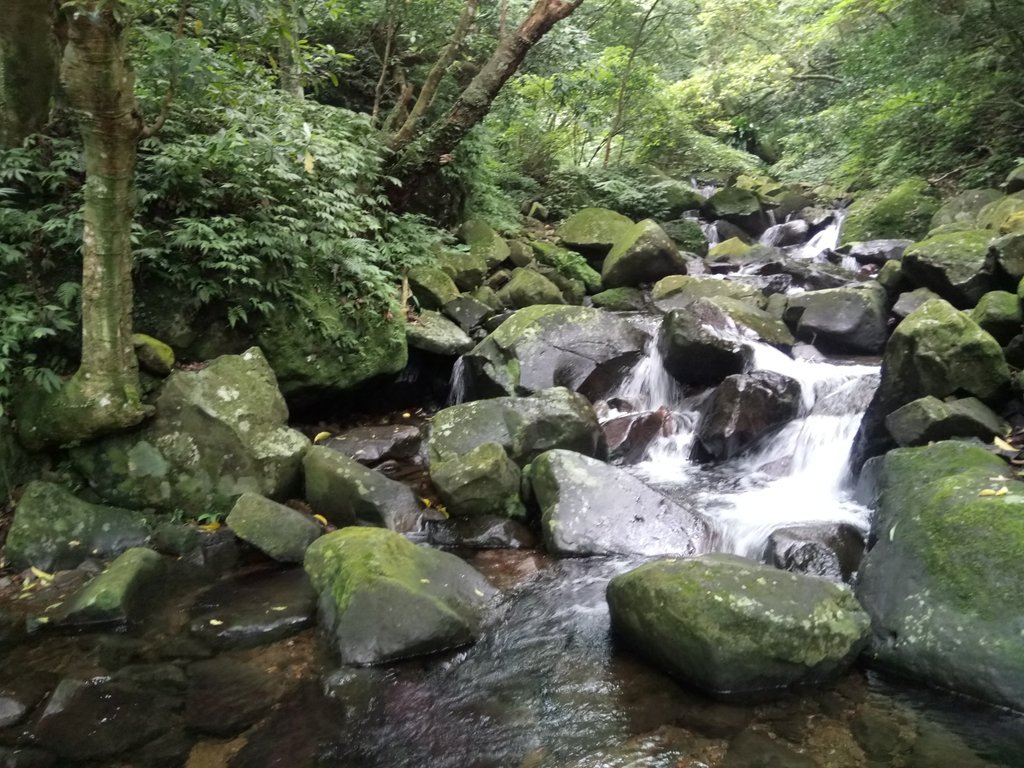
(457, 382)
(825, 240)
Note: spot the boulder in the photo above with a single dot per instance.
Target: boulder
(55, 530)
(935, 351)
(154, 356)
(743, 409)
(466, 269)
(544, 346)
(481, 532)
(593, 231)
(347, 493)
(641, 254)
(218, 432)
(384, 598)
(730, 626)
(996, 214)
(280, 532)
(679, 197)
(572, 291)
(484, 242)
(727, 251)
(929, 419)
(701, 345)
(788, 233)
(374, 444)
(876, 251)
(688, 235)
(521, 254)
(890, 277)
(434, 333)
(846, 320)
(758, 322)
(524, 427)
(911, 300)
(1006, 255)
(944, 571)
(432, 286)
(905, 211)
(528, 288)
(679, 291)
(468, 313)
(119, 594)
(568, 263)
(738, 206)
(999, 313)
(482, 481)
(1015, 180)
(628, 437)
(833, 552)
(956, 266)
(592, 508)
(963, 208)
(620, 300)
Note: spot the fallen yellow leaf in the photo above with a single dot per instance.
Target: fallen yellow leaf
(1002, 445)
(41, 575)
(427, 503)
(207, 527)
(321, 436)
(407, 415)
(987, 492)
(215, 622)
(321, 519)
(1002, 491)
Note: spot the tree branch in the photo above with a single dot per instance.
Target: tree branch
(152, 129)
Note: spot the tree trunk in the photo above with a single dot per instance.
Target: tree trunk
(289, 77)
(28, 67)
(416, 157)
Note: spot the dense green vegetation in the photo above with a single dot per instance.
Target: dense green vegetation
(298, 142)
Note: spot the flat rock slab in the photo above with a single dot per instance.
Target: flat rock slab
(372, 445)
(226, 696)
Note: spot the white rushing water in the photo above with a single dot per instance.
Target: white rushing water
(825, 240)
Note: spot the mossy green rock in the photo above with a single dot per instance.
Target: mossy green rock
(589, 507)
(929, 419)
(945, 576)
(484, 242)
(911, 300)
(435, 333)
(904, 212)
(347, 493)
(154, 356)
(465, 268)
(688, 235)
(593, 230)
(280, 532)
(701, 345)
(956, 266)
(384, 598)
(118, 595)
(738, 206)
(528, 288)
(728, 250)
(844, 320)
(432, 287)
(1008, 253)
(53, 529)
(1015, 180)
(999, 313)
(569, 263)
(767, 327)
(963, 208)
(890, 277)
(727, 625)
(218, 432)
(995, 215)
(620, 300)
(483, 481)
(520, 254)
(641, 254)
(679, 291)
(524, 427)
(573, 291)
(680, 198)
(545, 346)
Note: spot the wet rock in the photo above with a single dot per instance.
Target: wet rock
(54, 530)
(788, 233)
(528, 287)
(168, 751)
(569, 264)
(936, 746)
(929, 419)
(217, 433)
(384, 598)
(592, 508)
(434, 333)
(374, 444)
(581, 348)
(876, 251)
(679, 291)
(756, 749)
(484, 242)
(11, 711)
(911, 300)
(728, 250)
(701, 345)
(816, 276)
(629, 437)
(174, 539)
(758, 322)
(119, 594)
(254, 609)
(955, 265)
(483, 481)
(524, 426)
(226, 696)
(743, 409)
(999, 314)
(620, 300)
(593, 231)
(943, 568)
(844, 320)
(280, 532)
(481, 532)
(469, 313)
(738, 206)
(347, 493)
(641, 254)
(728, 625)
(830, 551)
(26, 757)
(154, 356)
(216, 553)
(98, 718)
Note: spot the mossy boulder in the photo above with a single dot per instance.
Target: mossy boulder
(679, 197)
(935, 351)
(484, 242)
(891, 278)
(641, 254)
(844, 320)
(761, 323)
(545, 346)
(929, 419)
(728, 250)
(432, 286)
(911, 300)
(348, 493)
(904, 212)
(995, 215)
(154, 356)
(528, 288)
(217, 433)
(119, 594)
(483, 481)
(1007, 252)
(592, 508)
(568, 263)
(54, 529)
(964, 208)
(434, 333)
(620, 300)
(956, 266)
(1015, 180)
(593, 231)
(742, 207)
(383, 598)
(280, 532)
(701, 344)
(999, 313)
(688, 235)
(729, 626)
(944, 575)
(466, 269)
(524, 427)
(468, 312)
(744, 409)
(679, 291)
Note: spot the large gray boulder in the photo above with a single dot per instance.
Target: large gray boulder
(347, 493)
(432, 286)
(963, 208)
(679, 291)
(944, 576)
(384, 598)
(929, 419)
(738, 206)
(218, 432)
(641, 254)
(593, 231)
(844, 320)
(483, 481)
(484, 242)
(743, 409)
(581, 348)
(592, 508)
(955, 265)
(280, 532)
(729, 626)
(527, 288)
(702, 345)
(53, 529)
(434, 333)
(524, 427)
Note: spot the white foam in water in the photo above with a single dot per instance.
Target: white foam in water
(457, 382)
(826, 240)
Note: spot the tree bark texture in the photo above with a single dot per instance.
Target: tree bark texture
(28, 67)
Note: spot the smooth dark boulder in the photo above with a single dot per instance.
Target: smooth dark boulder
(738, 206)
(374, 444)
(833, 552)
(911, 300)
(702, 345)
(628, 437)
(481, 532)
(468, 312)
(844, 320)
(743, 409)
(280, 532)
(876, 251)
(641, 254)
(929, 419)
(728, 625)
(788, 233)
(592, 508)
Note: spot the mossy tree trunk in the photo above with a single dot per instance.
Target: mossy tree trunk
(28, 67)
